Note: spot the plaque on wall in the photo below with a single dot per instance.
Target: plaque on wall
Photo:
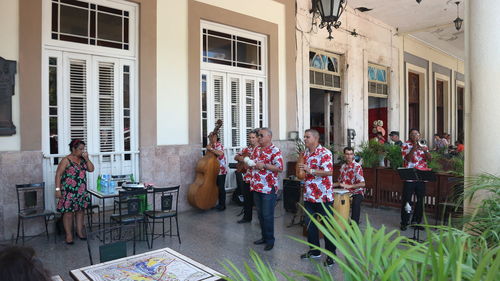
(7, 83)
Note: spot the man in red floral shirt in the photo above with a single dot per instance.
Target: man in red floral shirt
(264, 184)
(318, 195)
(414, 156)
(351, 178)
(247, 177)
(218, 149)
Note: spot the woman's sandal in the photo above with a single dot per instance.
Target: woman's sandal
(70, 242)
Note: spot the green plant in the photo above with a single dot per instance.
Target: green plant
(484, 222)
(457, 165)
(371, 152)
(375, 254)
(436, 161)
(393, 154)
(471, 252)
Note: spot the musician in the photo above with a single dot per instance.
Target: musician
(264, 184)
(351, 178)
(247, 194)
(218, 149)
(318, 193)
(414, 156)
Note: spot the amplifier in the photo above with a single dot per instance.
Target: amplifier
(291, 194)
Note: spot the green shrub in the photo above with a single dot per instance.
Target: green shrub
(370, 152)
(394, 156)
(471, 253)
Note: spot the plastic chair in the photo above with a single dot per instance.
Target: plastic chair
(167, 208)
(31, 205)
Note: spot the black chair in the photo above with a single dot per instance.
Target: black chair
(30, 205)
(112, 242)
(90, 213)
(135, 202)
(120, 180)
(167, 208)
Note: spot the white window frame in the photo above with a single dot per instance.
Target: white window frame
(132, 8)
(237, 32)
(377, 95)
(334, 73)
(229, 72)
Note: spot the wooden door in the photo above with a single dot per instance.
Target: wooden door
(439, 107)
(413, 100)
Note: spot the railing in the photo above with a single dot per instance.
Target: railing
(113, 163)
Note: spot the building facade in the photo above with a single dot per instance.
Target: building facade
(143, 81)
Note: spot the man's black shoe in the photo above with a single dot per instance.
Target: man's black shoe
(310, 255)
(329, 262)
(244, 221)
(220, 208)
(403, 227)
(260, 242)
(268, 247)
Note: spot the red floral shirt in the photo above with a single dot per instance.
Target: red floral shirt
(418, 161)
(266, 181)
(352, 174)
(247, 177)
(222, 159)
(318, 189)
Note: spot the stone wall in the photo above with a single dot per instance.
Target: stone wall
(17, 168)
(172, 165)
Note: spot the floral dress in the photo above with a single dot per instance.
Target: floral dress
(74, 195)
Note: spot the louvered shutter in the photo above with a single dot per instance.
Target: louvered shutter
(78, 99)
(235, 112)
(106, 96)
(250, 118)
(218, 94)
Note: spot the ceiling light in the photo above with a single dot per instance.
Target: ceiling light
(329, 11)
(458, 21)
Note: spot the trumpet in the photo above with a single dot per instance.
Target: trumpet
(422, 142)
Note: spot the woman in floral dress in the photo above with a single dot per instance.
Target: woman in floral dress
(71, 188)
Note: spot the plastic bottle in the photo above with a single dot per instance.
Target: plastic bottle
(99, 187)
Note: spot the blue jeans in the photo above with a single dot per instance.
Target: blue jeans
(312, 230)
(265, 209)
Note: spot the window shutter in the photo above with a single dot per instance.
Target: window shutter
(106, 106)
(235, 112)
(218, 90)
(78, 99)
(249, 105)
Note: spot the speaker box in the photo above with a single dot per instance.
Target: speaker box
(291, 195)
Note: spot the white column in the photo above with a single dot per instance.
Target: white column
(482, 107)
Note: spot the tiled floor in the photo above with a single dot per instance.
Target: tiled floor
(212, 237)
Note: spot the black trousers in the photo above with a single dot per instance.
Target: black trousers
(312, 230)
(248, 201)
(409, 188)
(221, 184)
(356, 207)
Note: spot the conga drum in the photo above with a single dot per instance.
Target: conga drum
(342, 204)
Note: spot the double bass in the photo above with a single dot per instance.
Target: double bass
(203, 192)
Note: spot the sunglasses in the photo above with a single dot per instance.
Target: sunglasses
(260, 135)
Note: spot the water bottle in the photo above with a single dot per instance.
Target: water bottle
(132, 178)
(105, 186)
(99, 187)
(112, 187)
